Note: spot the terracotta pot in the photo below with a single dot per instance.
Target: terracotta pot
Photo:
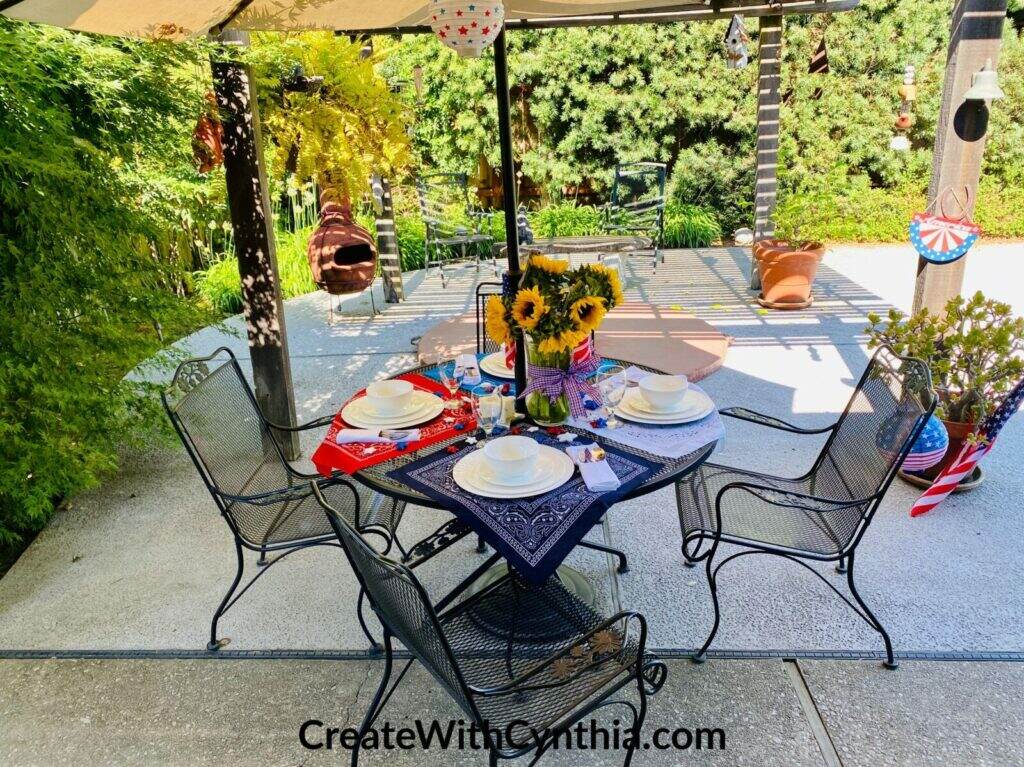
(958, 434)
(787, 270)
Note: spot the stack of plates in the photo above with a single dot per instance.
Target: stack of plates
(422, 407)
(474, 474)
(694, 406)
(494, 364)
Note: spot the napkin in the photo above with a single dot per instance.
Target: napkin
(372, 436)
(598, 476)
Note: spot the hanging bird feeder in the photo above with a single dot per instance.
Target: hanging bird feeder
(736, 41)
(466, 26)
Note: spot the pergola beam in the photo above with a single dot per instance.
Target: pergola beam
(769, 78)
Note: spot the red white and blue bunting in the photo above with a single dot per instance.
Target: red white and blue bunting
(941, 240)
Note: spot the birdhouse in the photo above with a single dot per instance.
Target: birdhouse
(342, 254)
(466, 26)
(736, 41)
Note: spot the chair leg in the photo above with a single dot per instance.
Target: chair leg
(623, 562)
(374, 710)
(638, 725)
(701, 654)
(216, 644)
(841, 567)
(481, 547)
(374, 647)
(890, 660)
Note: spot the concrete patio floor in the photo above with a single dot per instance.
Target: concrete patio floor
(770, 713)
(140, 563)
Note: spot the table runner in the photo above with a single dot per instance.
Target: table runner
(533, 534)
(330, 456)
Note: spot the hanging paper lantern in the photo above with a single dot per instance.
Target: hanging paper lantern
(928, 449)
(466, 26)
(941, 240)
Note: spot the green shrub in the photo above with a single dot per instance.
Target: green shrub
(688, 226)
(564, 219)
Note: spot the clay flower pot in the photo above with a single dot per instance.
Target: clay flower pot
(787, 272)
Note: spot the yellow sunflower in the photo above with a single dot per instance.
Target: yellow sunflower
(495, 322)
(614, 284)
(587, 313)
(565, 341)
(549, 265)
(528, 308)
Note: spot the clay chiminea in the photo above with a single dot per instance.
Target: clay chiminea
(341, 254)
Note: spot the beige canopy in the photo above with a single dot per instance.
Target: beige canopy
(175, 19)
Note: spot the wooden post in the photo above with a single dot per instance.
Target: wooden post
(254, 243)
(975, 38)
(769, 64)
(387, 241)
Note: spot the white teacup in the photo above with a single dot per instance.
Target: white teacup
(511, 458)
(663, 392)
(389, 398)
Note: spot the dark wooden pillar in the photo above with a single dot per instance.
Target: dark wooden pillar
(976, 36)
(254, 242)
(387, 241)
(769, 63)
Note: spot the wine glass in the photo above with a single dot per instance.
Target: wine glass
(487, 407)
(452, 380)
(611, 383)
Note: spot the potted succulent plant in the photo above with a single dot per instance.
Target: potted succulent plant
(974, 349)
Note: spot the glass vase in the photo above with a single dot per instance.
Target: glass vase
(542, 410)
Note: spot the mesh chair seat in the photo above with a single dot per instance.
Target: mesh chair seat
(467, 239)
(750, 519)
(551, 622)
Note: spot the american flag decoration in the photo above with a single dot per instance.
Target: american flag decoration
(942, 240)
(466, 26)
(970, 455)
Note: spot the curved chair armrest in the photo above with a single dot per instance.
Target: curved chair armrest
(519, 683)
(293, 493)
(744, 414)
(314, 424)
(790, 499)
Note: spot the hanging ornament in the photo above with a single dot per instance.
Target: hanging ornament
(466, 26)
(905, 119)
(207, 138)
(736, 40)
(942, 239)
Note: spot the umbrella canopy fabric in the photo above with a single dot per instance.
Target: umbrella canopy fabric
(179, 19)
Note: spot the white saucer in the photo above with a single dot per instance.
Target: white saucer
(554, 468)
(695, 406)
(494, 364)
(424, 407)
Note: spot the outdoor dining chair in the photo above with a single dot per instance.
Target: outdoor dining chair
(266, 502)
(637, 206)
(455, 229)
(523, 687)
(484, 290)
(823, 514)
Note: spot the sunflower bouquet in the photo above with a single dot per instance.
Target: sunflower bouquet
(554, 311)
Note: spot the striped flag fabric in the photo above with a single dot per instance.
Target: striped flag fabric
(970, 455)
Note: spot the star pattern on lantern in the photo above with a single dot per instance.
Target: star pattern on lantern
(478, 24)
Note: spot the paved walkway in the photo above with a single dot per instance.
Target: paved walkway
(770, 713)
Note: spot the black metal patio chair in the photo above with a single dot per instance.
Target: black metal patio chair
(446, 211)
(265, 501)
(523, 689)
(823, 514)
(637, 205)
(484, 291)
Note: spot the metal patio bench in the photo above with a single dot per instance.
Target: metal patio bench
(823, 514)
(523, 684)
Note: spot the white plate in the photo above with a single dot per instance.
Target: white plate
(357, 413)
(494, 364)
(554, 469)
(696, 406)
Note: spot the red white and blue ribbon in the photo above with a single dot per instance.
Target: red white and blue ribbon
(941, 240)
(553, 382)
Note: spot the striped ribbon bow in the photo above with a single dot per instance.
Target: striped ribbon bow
(553, 382)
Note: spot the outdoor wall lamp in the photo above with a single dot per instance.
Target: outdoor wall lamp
(985, 85)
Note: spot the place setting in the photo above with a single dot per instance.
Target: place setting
(392, 404)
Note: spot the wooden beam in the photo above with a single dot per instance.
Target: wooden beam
(249, 203)
(976, 37)
(387, 242)
(769, 80)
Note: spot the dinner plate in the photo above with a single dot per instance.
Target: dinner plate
(494, 364)
(696, 405)
(554, 469)
(358, 413)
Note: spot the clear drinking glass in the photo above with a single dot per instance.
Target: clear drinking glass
(451, 376)
(487, 407)
(611, 382)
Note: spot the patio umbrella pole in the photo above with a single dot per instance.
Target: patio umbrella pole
(508, 191)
